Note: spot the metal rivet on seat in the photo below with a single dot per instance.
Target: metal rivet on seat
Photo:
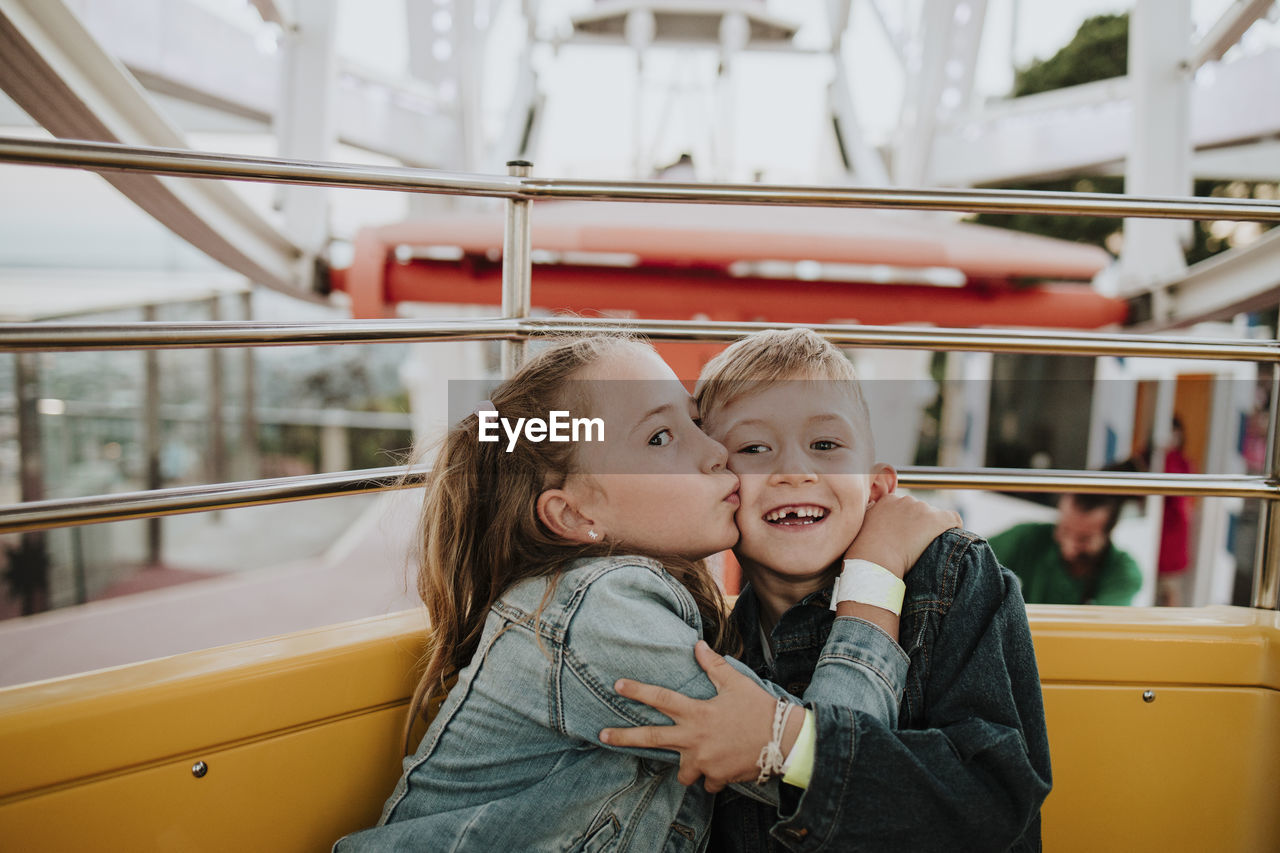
(1148, 696)
(199, 769)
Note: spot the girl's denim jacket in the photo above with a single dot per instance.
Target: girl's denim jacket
(513, 760)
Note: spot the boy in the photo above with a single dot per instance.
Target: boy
(967, 766)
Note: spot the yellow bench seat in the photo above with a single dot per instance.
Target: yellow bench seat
(1163, 726)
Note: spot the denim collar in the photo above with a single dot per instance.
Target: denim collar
(805, 625)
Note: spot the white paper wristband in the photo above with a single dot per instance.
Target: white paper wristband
(869, 583)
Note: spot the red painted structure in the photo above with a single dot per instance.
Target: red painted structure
(671, 261)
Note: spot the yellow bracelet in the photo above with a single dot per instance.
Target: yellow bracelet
(798, 768)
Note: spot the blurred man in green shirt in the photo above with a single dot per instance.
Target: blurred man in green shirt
(1073, 561)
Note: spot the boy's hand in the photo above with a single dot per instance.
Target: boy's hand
(718, 738)
(897, 529)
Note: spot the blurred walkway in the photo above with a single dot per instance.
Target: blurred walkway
(365, 572)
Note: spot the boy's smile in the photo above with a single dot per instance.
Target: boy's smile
(804, 458)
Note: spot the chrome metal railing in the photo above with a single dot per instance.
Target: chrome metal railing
(122, 506)
(67, 337)
(515, 328)
(102, 156)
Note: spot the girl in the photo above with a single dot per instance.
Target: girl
(551, 569)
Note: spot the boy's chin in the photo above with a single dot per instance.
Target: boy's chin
(798, 572)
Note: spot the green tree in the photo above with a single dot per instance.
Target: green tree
(1098, 51)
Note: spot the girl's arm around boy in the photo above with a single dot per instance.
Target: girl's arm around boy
(637, 622)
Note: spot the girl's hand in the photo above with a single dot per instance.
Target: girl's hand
(719, 738)
(897, 529)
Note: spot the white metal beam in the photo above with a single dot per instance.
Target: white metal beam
(735, 33)
(305, 118)
(519, 137)
(924, 68)
(54, 69)
(940, 73)
(838, 21)
(862, 161)
(1087, 127)
(446, 51)
(892, 34)
(1258, 161)
(1238, 280)
(1159, 156)
(868, 166)
(180, 49)
(1224, 34)
(1254, 161)
(969, 20)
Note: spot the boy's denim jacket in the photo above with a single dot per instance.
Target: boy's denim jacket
(513, 760)
(968, 765)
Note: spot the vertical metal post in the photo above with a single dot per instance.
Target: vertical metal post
(77, 565)
(151, 435)
(1266, 569)
(248, 415)
(517, 267)
(29, 562)
(217, 468)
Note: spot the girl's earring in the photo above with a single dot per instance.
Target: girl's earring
(593, 534)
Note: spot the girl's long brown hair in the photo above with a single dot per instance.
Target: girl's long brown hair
(479, 531)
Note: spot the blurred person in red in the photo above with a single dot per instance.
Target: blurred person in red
(1175, 530)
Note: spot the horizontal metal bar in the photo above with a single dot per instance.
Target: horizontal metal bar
(42, 515)
(71, 337)
(198, 413)
(108, 156)
(966, 200)
(899, 337)
(167, 161)
(1042, 480)
(20, 337)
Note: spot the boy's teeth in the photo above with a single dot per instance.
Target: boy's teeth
(796, 512)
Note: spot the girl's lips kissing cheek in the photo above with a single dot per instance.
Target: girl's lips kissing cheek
(732, 498)
(796, 515)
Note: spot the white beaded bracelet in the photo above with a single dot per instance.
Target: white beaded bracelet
(771, 757)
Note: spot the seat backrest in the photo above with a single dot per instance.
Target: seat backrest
(1164, 728)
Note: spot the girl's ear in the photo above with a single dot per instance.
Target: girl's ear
(884, 479)
(558, 511)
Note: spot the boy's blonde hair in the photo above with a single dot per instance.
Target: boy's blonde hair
(776, 355)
